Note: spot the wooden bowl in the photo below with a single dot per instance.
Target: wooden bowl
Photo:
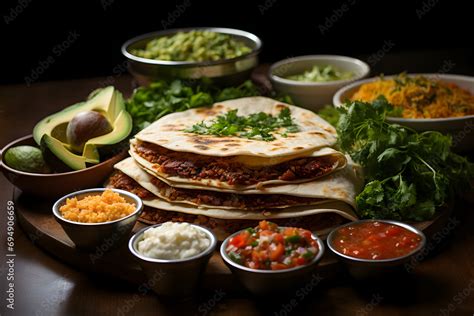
(55, 185)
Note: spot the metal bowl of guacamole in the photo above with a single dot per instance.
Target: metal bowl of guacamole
(227, 56)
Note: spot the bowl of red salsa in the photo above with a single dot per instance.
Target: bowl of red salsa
(261, 255)
(375, 244)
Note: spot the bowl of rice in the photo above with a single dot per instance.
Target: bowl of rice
(98, 218)
(423, 102)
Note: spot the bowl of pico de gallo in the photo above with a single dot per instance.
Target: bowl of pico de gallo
(271, 258)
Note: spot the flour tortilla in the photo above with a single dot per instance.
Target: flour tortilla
(168, 131)
(321, 223)
(337, 207)
(343, 183)
(339, 162)
(342, 186)
(314, 217)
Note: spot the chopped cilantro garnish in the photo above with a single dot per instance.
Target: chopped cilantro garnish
(148, 104)
(254, 126)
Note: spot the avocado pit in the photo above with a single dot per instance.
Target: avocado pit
(84, 126)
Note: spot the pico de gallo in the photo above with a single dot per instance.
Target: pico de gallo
(270, 247)
(375, 240)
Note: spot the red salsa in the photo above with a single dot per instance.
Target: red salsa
(269, 247)
(375, 240)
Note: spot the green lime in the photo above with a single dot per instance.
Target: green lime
(26, 158)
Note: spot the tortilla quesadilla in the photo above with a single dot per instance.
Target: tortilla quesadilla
(321, 222)
(331, 206)
(339, 186)
(223, 221)
(231, 179)
(172, 152)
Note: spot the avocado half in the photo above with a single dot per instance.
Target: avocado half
(50, 132)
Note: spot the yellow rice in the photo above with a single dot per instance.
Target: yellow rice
(420, 97)
(108, 206)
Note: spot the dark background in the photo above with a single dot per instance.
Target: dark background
(421, 36)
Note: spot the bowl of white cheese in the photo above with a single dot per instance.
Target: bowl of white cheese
(173, 256)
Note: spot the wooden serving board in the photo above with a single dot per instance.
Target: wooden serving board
(36, 219)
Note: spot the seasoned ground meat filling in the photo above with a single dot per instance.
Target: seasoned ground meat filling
(311, 222)
(154, 216)
(121, 181)
(196, 167)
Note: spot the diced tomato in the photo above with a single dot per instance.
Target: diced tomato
(278, 238)
(259, 256)
(263, 225)
(300, 261)
(270, 247)
(240, 240)
(290, 231)
(278, 266)
(277, 252)
(306, 234)
(255, 256)
(266, 233)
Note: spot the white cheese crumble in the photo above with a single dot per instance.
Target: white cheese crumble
(172, 241)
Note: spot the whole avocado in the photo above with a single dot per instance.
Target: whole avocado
(26, 158)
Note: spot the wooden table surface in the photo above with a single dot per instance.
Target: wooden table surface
(442, 284)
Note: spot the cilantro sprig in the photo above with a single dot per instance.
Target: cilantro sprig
(260, 126)
(147, 104)
(408, 174)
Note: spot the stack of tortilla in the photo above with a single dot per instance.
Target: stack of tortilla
(228, 182)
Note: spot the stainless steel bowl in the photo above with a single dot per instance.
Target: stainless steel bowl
(267, 282)
(174, 278)
(225, 71)
(372, 269)
(314, 95)
(99, 236)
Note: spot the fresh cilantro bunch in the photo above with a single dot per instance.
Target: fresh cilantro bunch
(330, 113)
(408, 174)
(255, 126)
(147, 104)
(246, 89)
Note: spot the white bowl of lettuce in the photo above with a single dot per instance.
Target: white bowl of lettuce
(311, 81)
